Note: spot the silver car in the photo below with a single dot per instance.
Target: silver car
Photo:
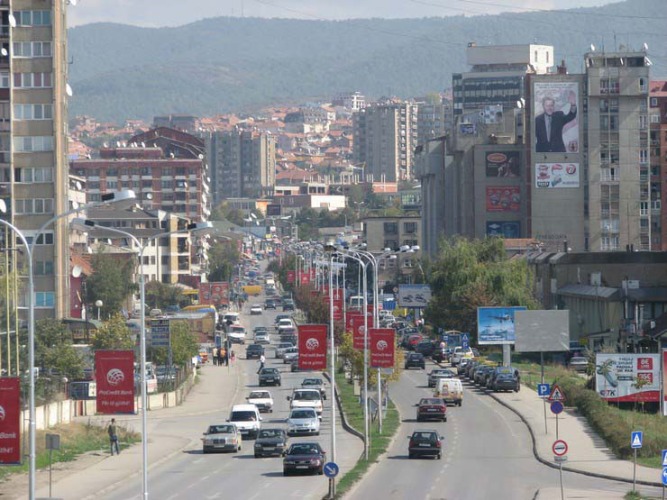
(282, 347)
(303, 421)
(291, 354)
(221, 437)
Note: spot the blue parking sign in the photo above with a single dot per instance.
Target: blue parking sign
(543, 390)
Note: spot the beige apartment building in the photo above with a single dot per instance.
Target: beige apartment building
(33, 123)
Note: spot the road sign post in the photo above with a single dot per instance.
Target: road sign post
(331, 470)
(560, 449)
(636, 440)
(556, 409)
(543, 391)
(664, 479)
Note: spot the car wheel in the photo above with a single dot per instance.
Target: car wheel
(320, 471)
(285, 473)
(205, 451)
(444, 419)
(460, 403)
(439, 456)
(257, 455)
(410, 455)
(317, 433)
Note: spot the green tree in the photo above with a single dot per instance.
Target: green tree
(111, 282)
(160, 295)
(470, 274)
(113, 334)
(54, 350)
(184, 343)
(223, 257)
(225, 212)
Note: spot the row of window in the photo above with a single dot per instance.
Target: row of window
(32, 17)
(32, 144)
(34, 206)
(33, 80)
(392, 227)
(147, 171)
(32, 49)
(28, 174)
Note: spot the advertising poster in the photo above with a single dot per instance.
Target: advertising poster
(495, 325)
(114, 374)
(503, 164)
(338, 309)
(215, 293)
(304, 278)
(312, 347)
(504, 229)
(10, 420)
(358, 330)
(382, 343)
(556, 117)
(556, 175)
(623, 378)
(413, 295)
(290, 276)
(503, 198)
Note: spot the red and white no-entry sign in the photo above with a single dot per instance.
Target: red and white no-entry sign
(559, 448)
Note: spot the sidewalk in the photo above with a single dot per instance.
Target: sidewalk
(587, 452)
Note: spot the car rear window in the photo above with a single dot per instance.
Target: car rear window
(307, 395)
(424, 437)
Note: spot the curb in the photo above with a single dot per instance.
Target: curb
(343, 419)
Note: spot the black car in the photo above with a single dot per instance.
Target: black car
(269, 376)
(270, 442)
(270, 304)
(425, 443)
(288, 305)
(426, 348)
(304, 457)
(254, 351)
(415, 360)
(504, 378)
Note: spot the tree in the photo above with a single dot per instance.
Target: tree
(111, 282)
(184, 343)
(54, 350)
(160, 295)
(113, 334)
(223, 257)
(225, 212)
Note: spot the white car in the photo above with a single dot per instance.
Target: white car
(256, 309)
(262, 400)
(303, 421)
(282, 347)
(306, 398)
(247, 420)
(290, 354)
(236, 334)
(285, 323)
(262, 338)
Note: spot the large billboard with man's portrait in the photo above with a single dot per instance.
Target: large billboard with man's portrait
(556, 117)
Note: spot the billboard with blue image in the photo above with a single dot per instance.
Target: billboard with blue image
(495, 325)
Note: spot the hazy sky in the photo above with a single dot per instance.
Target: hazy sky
(157, 13)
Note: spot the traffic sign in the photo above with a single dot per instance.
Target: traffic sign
(465, 341)
(636, 439)
(556, 394)
(559, 447)
(543, 390)
(664, 458)
(560, 459)
(556, 407)
(330, 469)
(664, 476)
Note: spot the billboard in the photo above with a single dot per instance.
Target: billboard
(503, 198)
(159, 334)
(542, 331)
(215, 293)
(337, 309)
(503, 164)
(616, 377)
(312, 347)
(273, 210)
(114, 374)
(495, 325)
(413, 295)
(556, 121)
(10, 420)
(504, 229)
(556, 175)
(382, 343)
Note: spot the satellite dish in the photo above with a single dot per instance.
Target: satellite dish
(149, 196)
(4, 52)
(12, 20)
(75, 205)
(201, 156)
(3, 206)
(68, 90)
(76, 271)
(78, 185)
(72, 2)
(645, 46)
(592, 48)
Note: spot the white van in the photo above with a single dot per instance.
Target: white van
(449, 389)
(231, 318)
(247, 419)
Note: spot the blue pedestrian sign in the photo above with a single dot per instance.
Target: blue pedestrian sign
(664, 458)
(664, 476)
(330, 469)
(636, 439)
(543, 390)
(465, 341)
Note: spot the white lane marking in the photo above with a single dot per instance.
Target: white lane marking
(495, 409)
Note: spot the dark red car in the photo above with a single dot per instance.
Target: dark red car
(431, 409)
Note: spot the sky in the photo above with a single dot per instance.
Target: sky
(160, 13)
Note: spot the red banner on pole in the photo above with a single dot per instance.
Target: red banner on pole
(114, 374)
(304, 278)
(290, 276)
(358, 331)
(382, 344)
(338, 309)
(312, 347)
(10, 420)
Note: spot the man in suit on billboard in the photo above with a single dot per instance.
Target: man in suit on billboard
(549, 125)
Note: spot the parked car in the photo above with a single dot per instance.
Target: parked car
(504, 379)
(269, 376)
(415, 360)
(262, 400)
(438, 373)
(425, 443)
(221, 437)
(254, 351)
(256, 309)
(304, 457)
(413, 341)
(461, 367)
(270, 442)
(431, 409)
(481, 373)
(579, 363)
(425, 347)
(460, 353)
(303, 421)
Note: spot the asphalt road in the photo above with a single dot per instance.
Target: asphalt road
(195, 475)
(487, 454)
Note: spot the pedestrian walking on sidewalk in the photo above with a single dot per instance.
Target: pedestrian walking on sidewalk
(113, 437)
(233, 357)
(215, 356)
(222, 356)
(262, 360)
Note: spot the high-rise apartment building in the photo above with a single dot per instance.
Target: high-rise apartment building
(617, 144)
(658, 158)
(385, 136)
(434, 119)
(33, 121)
(242, 164)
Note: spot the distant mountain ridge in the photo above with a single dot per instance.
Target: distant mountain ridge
(228, 64)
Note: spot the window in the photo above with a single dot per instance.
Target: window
(410, 227)
(33, 111)
(44, 299)
(33, 17)
(32, 80)
(390, 228)
(34, 206)
(407, 263)
(4, 79)
(643, 156)
(654, 102)
(32, 49)
(44, 239)
(29, 144)
(643, 122)
(44, 268)
(37, 174)
(391, 244)
(112, 184)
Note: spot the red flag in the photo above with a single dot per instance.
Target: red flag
(10, 420)
(382, 344)
(312, 347)
(114, 374)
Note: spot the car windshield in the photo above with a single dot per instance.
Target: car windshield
(259, 395)
(424, 437)
(432, 401)
(303, 414)
(270, 433)
(243, 416)
(304, 449)
(307, 395)
(221, 429)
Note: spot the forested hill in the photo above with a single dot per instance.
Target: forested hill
(234, 64)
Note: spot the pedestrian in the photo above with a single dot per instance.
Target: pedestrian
(262, 360)
(215, 356)
(221, 356)
(113, 437)
(233, 357)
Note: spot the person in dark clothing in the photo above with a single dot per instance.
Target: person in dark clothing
(549, 126)
(113, 436)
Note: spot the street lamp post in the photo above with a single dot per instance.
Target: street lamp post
(333, 372)
(98, 304)
(86, 225)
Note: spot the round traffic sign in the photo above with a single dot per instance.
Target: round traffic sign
(330, 469)
(556, 407)
(559, 447)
